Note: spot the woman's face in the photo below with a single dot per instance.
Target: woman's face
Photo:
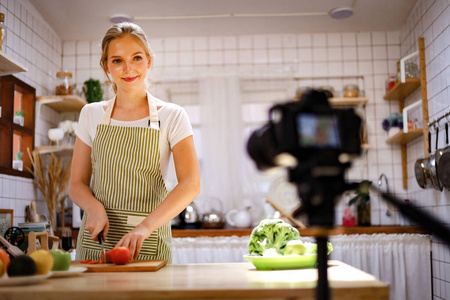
(127, 63)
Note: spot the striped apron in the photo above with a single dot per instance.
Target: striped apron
(127, 180)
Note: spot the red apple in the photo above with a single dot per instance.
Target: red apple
(120, 255)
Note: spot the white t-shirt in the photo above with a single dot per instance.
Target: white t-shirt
(174, 126)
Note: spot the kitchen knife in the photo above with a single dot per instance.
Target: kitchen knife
(100, 241)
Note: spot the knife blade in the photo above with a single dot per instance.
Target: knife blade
(102, 247)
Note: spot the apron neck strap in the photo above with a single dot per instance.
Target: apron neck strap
(153, 111)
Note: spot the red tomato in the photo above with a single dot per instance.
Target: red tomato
(94, 262)
(108, 257)
(120, 255)
(85, 261)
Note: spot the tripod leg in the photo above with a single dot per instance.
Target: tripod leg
(323, 290)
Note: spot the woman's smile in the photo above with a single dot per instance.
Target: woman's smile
(130, 79)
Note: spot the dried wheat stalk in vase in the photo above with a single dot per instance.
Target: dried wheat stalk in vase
(52, 181)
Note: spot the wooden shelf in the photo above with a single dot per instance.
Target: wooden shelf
(402, 90)
(9, 66)
(402, 138)
(348, 101)
(58, 150)
(67, 103)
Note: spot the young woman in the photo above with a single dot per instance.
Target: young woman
(122, 154)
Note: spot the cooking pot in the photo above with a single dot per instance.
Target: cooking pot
(432, 166)
(422, 170)
(443, 162)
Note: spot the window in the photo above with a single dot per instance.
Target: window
(17, 121)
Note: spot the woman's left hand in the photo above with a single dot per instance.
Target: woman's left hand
(134, 239)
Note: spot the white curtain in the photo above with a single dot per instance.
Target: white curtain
(222, 139)
(400, 260)
(224, 249)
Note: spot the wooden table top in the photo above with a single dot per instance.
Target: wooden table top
(201, 281)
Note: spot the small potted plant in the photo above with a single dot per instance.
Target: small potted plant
(92, 90)
(17, 162)
(19, 117)
(362, 201)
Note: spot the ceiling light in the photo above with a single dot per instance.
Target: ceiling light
(341, 12)
(119, 18)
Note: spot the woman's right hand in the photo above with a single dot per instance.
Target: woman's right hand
(97, 221)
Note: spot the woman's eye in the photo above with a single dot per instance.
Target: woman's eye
(137, 58)
(116, 61)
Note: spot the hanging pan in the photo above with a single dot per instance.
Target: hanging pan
(443, 162)
(432, 166)
(421, 170)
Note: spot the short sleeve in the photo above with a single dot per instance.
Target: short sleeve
(180, 127)
(83, 126)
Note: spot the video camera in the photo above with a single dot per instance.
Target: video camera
(316, 143)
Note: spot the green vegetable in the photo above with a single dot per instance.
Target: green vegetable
(271, 233)
(311, 248)
(295, 247)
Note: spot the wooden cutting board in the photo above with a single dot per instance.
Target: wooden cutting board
(134, 266)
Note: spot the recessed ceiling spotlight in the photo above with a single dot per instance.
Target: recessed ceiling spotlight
(119, 18)
(341, 12)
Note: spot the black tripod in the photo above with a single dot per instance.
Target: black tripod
(318, 204)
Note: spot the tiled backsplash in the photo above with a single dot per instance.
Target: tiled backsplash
(370, 54)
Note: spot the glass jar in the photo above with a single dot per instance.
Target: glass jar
(2, 30)
(390, 83)
(64, 84)
(351, 91)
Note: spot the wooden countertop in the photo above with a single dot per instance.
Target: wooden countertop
(201, 281)
(303, 231)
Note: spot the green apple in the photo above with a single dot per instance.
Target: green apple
(61, 260)
(294, 247)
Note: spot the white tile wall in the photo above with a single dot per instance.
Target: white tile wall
(430, 19)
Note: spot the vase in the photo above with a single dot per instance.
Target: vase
(364, 214)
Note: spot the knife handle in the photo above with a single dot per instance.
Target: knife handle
(100, 237)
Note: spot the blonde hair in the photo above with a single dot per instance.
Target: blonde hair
(120, 30)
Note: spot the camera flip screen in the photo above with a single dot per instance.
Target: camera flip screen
(318, 131)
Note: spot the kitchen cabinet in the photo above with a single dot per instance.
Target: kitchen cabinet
(17, 123)
(206, 281)
(9, 66)
(398, 93)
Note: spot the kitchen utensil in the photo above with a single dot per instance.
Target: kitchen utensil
(380, 182)
(34, 215)
(11, 249)
(435, 183)
(134, 266)
(190, 217)
(100, 241)
(443, 162)
(213, 217)
(213, 220)
(239, 218)
(286, 214)
(420, 168)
